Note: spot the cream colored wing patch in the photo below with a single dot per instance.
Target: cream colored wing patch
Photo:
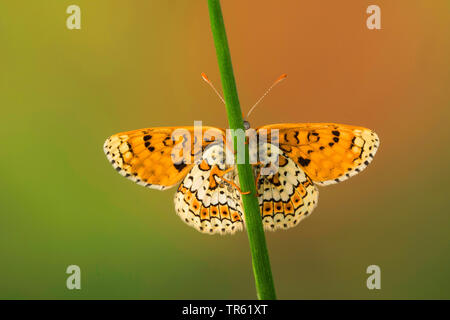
(287, 196)
(207, 202)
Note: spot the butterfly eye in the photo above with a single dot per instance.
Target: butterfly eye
(246, 125)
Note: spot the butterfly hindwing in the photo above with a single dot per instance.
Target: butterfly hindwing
(205, 201)
(287, 195)
(213, 206)
(145, 155)
(329, 153)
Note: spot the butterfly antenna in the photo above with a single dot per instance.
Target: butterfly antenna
(204, 77)
(280, 78)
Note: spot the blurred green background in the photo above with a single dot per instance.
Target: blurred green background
(137, 64)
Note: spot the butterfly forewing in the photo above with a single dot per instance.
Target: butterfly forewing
(145, 155)
(328, 152)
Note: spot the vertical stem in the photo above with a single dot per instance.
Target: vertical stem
(260, 257)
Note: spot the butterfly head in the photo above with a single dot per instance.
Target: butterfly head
(246, 125)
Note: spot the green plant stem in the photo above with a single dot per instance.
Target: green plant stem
(260, 257)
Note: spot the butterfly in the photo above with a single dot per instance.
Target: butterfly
(208, 196)
(310, 155)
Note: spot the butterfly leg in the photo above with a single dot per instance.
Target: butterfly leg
(233, 150)
(215, 171)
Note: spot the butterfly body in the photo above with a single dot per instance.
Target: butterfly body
(208, 197)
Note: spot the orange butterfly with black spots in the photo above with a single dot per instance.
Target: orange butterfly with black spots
(208, 197)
